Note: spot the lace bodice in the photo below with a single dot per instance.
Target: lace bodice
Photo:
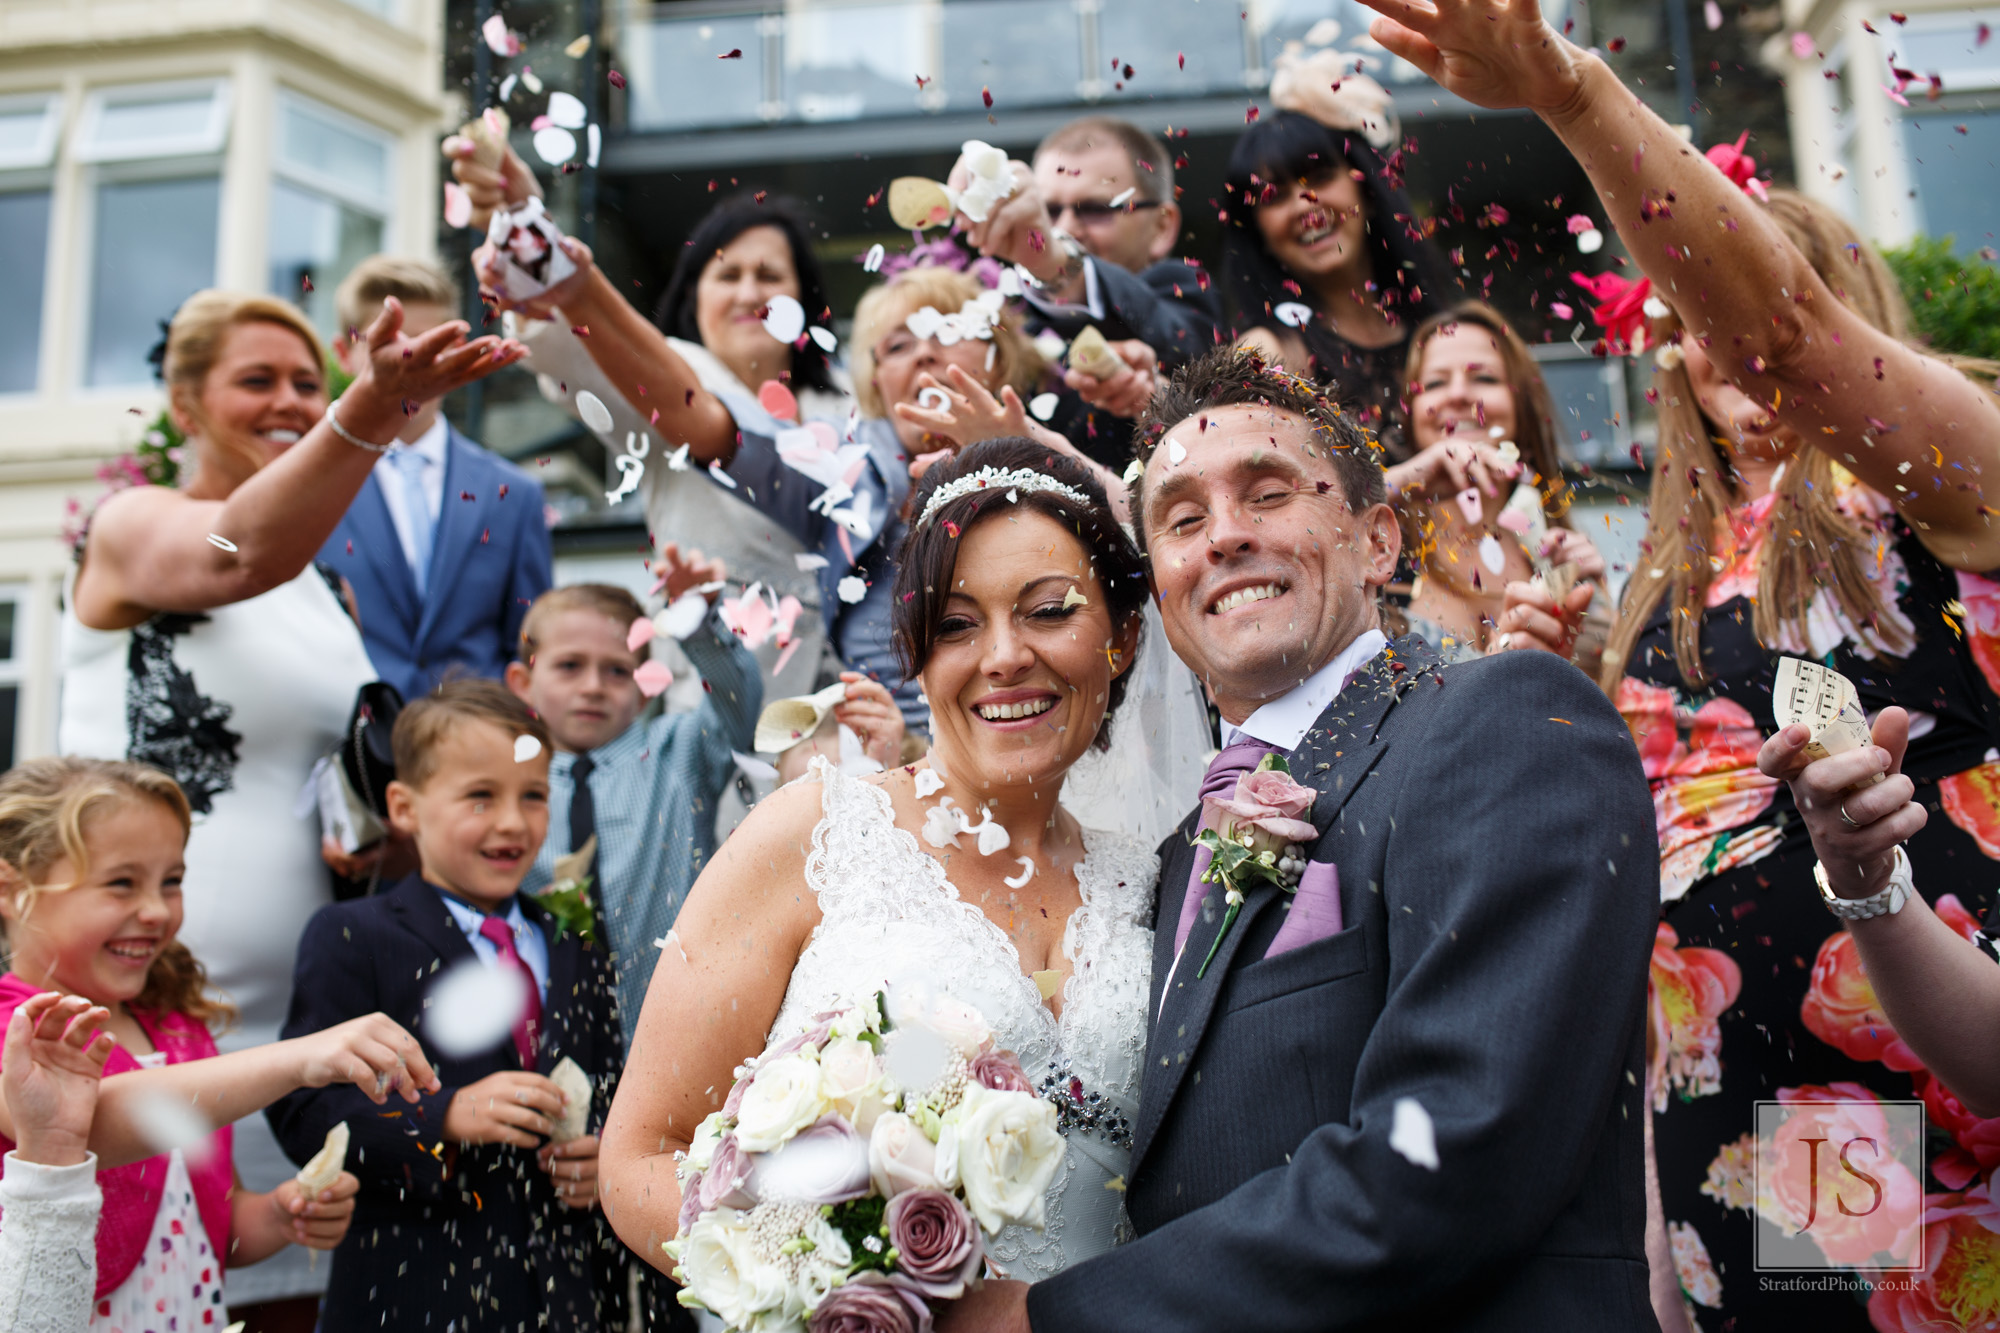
(889, 914)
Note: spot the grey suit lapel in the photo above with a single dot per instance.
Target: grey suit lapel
(1340, 750)
(1175, 867)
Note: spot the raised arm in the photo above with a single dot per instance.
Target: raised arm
(722, 976)
(631, 353)
(152, 548)
(1769, 321)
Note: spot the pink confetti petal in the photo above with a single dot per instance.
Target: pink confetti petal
(499, 38)
(1514, 521)
(652, 678)
(457, 205)
(1561, 309)
(778, 400)
(1802, 45)
(639, 635)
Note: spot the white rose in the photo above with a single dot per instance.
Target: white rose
(947, 1155)
(782, 1100)
(1008, 1152)
(826, 1263)
(701, 1149)
(900, 1157)
(851, 1078)
(722, 1270)
(964, 1027)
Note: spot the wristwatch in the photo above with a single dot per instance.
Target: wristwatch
(1886, 903)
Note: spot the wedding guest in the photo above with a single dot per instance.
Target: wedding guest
(1814, 495)
(840, 494)
(198, 638)
(747, 251)
(1484, 431)
(633, 800)
(1321, 262)
(510, 1222)
(1095, 220)
(445, 546)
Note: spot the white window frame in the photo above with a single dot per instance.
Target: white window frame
(43, 153)
(207, 141)
(381, 205)
(14, 670)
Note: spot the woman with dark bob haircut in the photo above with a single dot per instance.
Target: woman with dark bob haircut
(1316, 221)
(927, 577)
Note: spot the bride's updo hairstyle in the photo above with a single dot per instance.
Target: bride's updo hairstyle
(928, 561)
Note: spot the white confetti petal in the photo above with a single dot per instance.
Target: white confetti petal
(677, 461)
(566, 111)
(1590, 242)
(555, 145)
(593, 411)
(1490, 554)
(1027, 873)
(529, 81)
(784, 319)
(1120, 199)
(1655, 308)
(594, 137)
(1293, 313)
(507, 86)
(1042, 406)
(1176, 452)
(873, 263)
(526, 748)
(934, 399)
(928, 780)
(852, 589)
(806, 560)
(824, 337)
(576, 48)
(683, 616)
(473, 1008)
(1413, 1135)
(220, 542)
(498, 38)
(722, 478)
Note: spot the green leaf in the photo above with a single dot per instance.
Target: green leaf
(572, 909)
(1274, 763)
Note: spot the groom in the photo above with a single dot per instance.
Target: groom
(1409, 1094)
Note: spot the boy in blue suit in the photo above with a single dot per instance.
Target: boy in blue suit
(471, 1216)
(445, 546)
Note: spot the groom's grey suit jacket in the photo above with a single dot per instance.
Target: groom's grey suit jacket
(1499, 891)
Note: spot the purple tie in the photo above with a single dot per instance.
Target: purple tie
(1220, 780)
(495, 929)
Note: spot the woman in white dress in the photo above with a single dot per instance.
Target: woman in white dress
(198, 637)
(1018, 601)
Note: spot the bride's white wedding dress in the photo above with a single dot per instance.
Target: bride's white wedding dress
(889, 915)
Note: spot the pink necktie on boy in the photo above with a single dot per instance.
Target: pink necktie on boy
(497, 930)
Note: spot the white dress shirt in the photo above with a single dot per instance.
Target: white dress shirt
(430, 446)
(528, 940)
(1285, 720)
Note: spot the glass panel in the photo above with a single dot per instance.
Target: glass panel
(10, 709)
(1957, 175)
(325, 147)
(1152, 37)
(22, 131)
(1028, 52)
(315, 237)
(24, 238)
(146, 120)
(7, 612)
(847, 61)
(1587, 393)
(155, 246)
(674, 80)
(1950, 46)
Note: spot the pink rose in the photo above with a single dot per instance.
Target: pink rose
(900, 1156)
(1000, 1071)
(826, 1163)
(732, 1106)
(1266, 802)
(726, 1182)
(937, 1245)
(872, 1303)
(690, 1204)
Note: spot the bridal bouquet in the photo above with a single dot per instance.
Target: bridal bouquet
(845, 1183)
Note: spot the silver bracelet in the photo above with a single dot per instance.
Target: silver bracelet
(353, 439)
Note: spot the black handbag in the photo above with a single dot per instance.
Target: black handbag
(354, 780)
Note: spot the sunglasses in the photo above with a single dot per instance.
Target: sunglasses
(1091, 212)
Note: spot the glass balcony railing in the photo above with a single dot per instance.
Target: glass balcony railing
(804, 61)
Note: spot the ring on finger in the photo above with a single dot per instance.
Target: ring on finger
(1846, 818)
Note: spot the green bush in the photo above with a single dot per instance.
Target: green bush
(1954, 302)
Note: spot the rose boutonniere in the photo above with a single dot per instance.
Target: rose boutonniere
(568, 899)
(1255, 837)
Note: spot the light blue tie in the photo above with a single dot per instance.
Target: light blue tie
(416, 513)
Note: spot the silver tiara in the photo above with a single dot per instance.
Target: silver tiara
(999, 479)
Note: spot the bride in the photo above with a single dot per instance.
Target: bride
(1018, 602)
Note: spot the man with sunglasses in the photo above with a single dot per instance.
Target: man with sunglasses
(1094, 221)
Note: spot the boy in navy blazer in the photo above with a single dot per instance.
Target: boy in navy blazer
(471, 1216)
(445, 546)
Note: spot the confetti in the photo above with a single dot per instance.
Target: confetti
(1413, 1135)
(872, 262)
(1043, 406)
(851, 589)
(720, 477)
(1074, 598)
(526, 748)
(473, 1007)
(1293, 314)
(1470, 504)
(682, 616)
(614, 78)
(1049, 980)
(221, 543)
(928, 780)
(652, 678)
(594, 137)
(567, 111)
(593, 411)
(555, 145)
(1176, 452)
(499, 38)
(1711, 14)
(457, 205)
(784, 319)
(638, 634)
(533, 84)
(1802, 45)
(805, 560)
(576, 48)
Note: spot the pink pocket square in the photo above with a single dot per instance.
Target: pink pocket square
(1315, 910)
